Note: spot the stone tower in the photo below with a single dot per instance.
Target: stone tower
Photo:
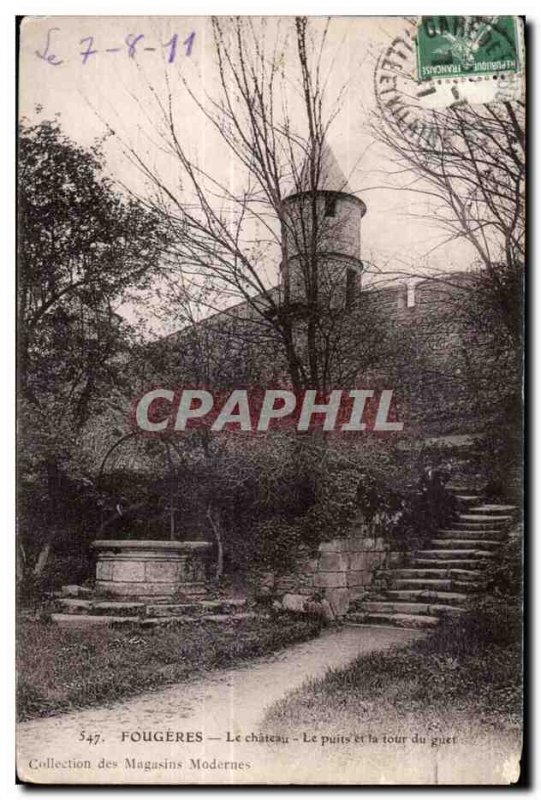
(329, 259)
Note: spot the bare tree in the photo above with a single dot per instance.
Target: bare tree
(231, 240)
(471, 170)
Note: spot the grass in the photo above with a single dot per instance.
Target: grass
(61, 670)
(468, 671)
(469, 668)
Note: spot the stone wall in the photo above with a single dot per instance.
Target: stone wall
(341, 572)
(438, 361)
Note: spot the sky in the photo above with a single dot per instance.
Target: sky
(103, 73)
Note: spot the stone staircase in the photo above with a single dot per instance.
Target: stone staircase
(438, 580)
(82, 612)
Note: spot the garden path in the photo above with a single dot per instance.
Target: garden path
(217, 708)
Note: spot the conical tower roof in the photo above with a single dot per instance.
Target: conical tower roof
(331, 177)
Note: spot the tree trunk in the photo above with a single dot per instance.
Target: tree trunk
(43, 557)
(216, 529)
(21, 562)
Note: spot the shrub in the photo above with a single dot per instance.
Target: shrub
(272, 545)
(504, 573)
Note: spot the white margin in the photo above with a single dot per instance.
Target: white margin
(7, 322)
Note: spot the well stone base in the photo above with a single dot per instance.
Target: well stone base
(149, 569)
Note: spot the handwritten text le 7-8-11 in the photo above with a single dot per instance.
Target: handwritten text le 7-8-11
(133, 45)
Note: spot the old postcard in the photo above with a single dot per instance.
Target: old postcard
(270, 400)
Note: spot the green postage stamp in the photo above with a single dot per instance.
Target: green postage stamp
(466, 47)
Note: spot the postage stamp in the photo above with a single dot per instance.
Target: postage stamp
(455, 47)
(447, 62)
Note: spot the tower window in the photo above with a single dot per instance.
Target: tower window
(410, 296)
(330, 205)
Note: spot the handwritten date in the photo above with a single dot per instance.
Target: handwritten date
(133, 45)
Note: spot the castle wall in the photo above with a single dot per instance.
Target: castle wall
(340, 572)
(436, 358)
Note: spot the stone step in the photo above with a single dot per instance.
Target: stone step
(73, 590)
(137, 609)
(119, 607)
(73, 605)
(470, 495)
(491, 509)
(458, 544)
(435, 584)
(468, 533)
(464, 488)
(397, 620)
(100, 608)
(89, 620)
(226, 618)
(175, 609)
(447, 598)
(442, 572)
(470, 565)
(486, 518)
(455, 554)
(204, 607)
(478, 526)
(75, 620)
(422, 584)
(398, 607)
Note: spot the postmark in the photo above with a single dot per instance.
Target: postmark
(410, 103)
(399, 94)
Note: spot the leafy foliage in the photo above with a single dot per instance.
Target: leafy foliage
(260, 497)
(82, 246)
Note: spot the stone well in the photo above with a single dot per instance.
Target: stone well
(152, 569)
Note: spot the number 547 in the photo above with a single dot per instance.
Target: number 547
(91, 738)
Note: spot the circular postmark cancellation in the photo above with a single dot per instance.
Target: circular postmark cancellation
(439, 63)
(396, 86)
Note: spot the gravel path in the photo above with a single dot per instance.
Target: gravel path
(193, 727)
